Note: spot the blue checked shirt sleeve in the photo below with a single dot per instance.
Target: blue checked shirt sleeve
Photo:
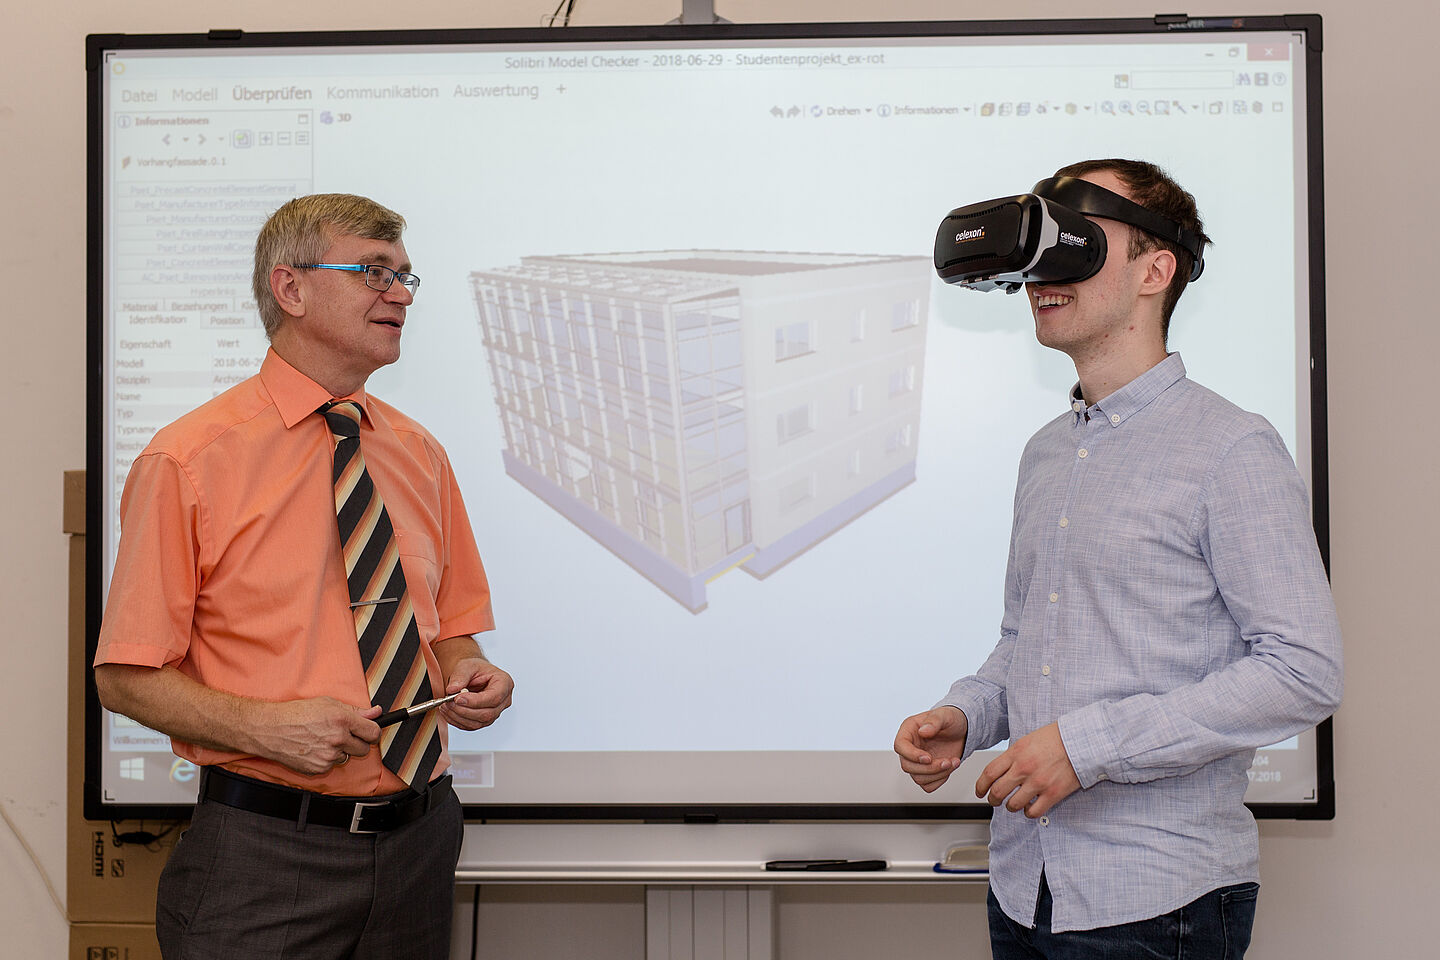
(1253, 526)
(982, 697)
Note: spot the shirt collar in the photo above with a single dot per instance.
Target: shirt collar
(1134, 396)
(296, 396)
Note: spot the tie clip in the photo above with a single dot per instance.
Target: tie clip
(366, 603)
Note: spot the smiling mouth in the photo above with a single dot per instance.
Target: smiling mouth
(1044, 300)
(388, 323)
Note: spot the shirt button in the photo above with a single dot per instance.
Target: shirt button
(1077, 406)
(1064, 522)
(1084, 453)
(1045, 670)
(1114, 418)
(1054, 598)
(1044, 821)
(1103, 776)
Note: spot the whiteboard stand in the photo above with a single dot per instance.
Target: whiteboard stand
(709, 923)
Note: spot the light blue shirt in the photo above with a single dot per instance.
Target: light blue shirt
(1166, 603)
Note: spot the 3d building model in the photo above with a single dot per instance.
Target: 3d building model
(698, 410)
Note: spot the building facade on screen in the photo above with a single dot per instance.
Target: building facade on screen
(698, 410)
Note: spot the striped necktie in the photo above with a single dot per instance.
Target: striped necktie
(384, 617)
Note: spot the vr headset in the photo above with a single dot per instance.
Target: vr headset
(1043, 236)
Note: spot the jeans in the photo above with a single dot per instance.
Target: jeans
(1213, 927)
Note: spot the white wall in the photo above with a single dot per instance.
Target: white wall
(1360, 886)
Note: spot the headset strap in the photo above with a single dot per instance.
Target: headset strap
(1093, 200)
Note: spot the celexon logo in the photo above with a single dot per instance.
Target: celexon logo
(1072, 240)
(964, 235)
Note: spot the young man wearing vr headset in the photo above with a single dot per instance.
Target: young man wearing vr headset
(1166, 608)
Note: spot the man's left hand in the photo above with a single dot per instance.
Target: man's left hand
(487, 693)
(1033, 775)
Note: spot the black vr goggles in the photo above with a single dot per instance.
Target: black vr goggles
(1043, 236)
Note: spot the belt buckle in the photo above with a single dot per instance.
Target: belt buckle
(360, 807)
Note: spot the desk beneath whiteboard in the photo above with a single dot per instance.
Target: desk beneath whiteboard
(709, 874)
(724, 912)
(633, 852)
(707, 892)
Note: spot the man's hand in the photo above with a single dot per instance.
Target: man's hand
(312, 736)
(308, 736)
(930, 745)
(1034, 774)
(488, 690)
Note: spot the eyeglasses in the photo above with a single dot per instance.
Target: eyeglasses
(377, 276)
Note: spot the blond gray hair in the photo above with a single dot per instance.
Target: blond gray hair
(303, 229)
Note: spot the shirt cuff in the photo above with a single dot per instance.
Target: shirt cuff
(981, 717)
(1092, 751)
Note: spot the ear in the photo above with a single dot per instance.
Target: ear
(1160, 268)
(285, 286)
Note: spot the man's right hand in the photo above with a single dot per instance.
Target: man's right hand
(930, 745)
(313, 736)
(308, 736)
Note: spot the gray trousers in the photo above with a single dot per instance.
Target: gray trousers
(241, 884)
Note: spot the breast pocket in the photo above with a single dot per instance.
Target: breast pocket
(422, 580)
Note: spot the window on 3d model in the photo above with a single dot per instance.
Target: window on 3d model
(796, 492)
(793, 340)
(904, 314)
(902, 381)
(794, 423)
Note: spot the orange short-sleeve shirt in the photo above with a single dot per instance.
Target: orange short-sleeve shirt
(229, 562)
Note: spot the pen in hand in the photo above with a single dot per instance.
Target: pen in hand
(395, 716)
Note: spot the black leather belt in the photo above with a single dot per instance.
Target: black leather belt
(356, 814)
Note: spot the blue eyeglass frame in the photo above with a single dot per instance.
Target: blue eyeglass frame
(407, 280)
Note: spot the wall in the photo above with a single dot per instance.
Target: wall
(1355, 887)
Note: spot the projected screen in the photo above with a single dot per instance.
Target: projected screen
(740, 467)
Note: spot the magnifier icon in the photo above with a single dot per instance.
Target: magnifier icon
(1125, 107)
(1143, 106)
(1107, 107)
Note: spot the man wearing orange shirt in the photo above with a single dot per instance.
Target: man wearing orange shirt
(231, 627)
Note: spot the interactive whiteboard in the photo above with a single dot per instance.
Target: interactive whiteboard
(739, 465)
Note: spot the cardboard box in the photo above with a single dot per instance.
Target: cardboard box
(73, 509)
(106, 883)
(113, 941)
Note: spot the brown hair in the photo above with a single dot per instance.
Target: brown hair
(300, 232)
(1153, 189)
